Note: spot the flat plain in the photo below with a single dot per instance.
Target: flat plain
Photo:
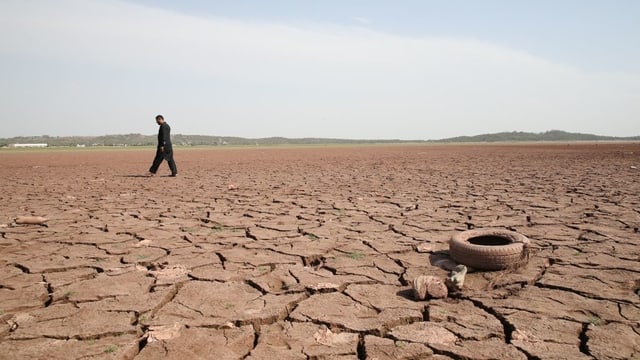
(309, 253)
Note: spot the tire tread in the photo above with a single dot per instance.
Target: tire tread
(489, 257)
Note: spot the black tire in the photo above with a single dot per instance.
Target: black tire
(489, 249)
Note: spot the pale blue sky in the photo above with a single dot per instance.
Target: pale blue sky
(340, 69)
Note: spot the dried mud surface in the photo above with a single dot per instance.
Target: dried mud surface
(308, 253)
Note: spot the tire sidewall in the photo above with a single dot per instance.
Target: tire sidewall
(481, 256)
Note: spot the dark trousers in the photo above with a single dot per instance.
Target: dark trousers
(168, 155)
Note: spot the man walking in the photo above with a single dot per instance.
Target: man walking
(165, 150)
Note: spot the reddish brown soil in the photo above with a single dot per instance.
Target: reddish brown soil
(309, 252)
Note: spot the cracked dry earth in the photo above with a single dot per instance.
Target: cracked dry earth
(308, 253)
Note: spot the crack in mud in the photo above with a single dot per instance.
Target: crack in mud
(581, 293)
(508, 328)
(49, 291)
(361, 350)
(22, 268)
(223, 260)
(584, 340)
(248, 234)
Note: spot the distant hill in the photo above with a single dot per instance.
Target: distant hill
(183, 140)
(552, 135)
(208, 140)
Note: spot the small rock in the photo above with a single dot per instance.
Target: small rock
(170, 272)
(30, 220)
(163, 333)
(145, 242)
(326, 337)
(425, 287)
(437, 289)
(424, 248)
(324, 286)
(17, 319)
(520, 335)
(228, 325)
(12, 325)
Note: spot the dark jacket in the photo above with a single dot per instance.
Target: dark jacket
(164, 136)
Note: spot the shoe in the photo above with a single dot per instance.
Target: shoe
(173, 175)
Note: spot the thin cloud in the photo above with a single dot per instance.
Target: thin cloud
(362, 20)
